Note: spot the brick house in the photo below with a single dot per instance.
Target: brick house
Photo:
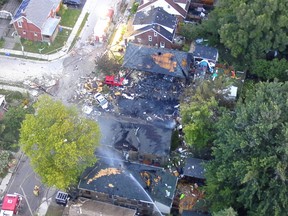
(154, 28)
(36, 20)
(179, 8)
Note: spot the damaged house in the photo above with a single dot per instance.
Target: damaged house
(154, 28)
(140, 142)
(145, 188)
(155, 60)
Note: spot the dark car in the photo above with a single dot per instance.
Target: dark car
(72, 2)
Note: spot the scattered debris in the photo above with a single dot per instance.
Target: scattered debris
(105, 172)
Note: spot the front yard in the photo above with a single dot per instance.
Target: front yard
(68, 16)
(43, 47)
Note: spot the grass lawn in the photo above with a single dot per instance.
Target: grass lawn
(68, 16)
(34, 47)
(55, 210)
(2, 41)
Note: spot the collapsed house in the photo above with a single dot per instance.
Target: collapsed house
(142, 142)
(145, 188)
(158, 60)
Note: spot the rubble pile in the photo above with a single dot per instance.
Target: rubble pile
(188, 196)
(41, 85)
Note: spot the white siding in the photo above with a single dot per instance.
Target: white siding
(164, 5)
(163, 208)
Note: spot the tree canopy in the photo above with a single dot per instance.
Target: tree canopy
(200, 108)
(269, 70)
(249, 169)
(252, 28)
(59, 142)
(10, 125)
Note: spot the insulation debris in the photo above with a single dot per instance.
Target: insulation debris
(105, 172)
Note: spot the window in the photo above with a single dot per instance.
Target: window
(149, 38)
(162, 44)
(24, 32)
(139, 40)
(35, 34)
(155, 34)
(19, 23)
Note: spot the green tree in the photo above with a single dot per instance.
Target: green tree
(200, 110)
(107, 65)
(270, 69)
(59, 142)
(226, 212)
(10, 125)
(249, 169)
(4, 159)
(252, 28)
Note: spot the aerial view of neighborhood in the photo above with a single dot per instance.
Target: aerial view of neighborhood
(143, 107)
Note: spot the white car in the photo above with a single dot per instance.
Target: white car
(101, 100)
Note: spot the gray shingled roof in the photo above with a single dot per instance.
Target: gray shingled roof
(157, 28)
(155, 16)
(162, 189)
(202, 51)
(144, 138)
(37, 11)
(142, 58)
(194, 168)
(50, 26)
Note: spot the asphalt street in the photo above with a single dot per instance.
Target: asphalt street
(23, 182)
(16, 70)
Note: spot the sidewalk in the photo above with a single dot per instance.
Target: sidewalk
(4, 183)
(58, 54)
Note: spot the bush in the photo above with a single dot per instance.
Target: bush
(134, 7)
(4, 159)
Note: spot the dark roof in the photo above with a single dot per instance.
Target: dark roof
(144, 138)
(205, 52)
(157, 60)
(194, 213)
(127, 181)
(155, 16)
(194, 168)
(21, 8)
(157, 28)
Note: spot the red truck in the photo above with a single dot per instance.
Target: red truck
(11, 205)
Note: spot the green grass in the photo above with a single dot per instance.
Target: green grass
(69, 16)
(34, 47)
(2, 41)
(79, 30)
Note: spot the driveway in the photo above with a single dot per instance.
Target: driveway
(5, 27)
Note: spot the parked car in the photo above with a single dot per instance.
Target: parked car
(101, 100)
(72, 2)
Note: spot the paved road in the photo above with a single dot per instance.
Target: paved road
(14, 70)
(23, 182)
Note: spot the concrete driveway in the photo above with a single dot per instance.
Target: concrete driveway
(6, 29)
